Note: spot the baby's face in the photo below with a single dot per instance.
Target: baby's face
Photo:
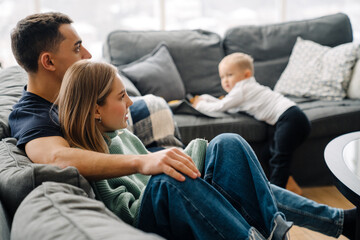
(231, 74)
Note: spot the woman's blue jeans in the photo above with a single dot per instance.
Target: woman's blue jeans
(234, 199)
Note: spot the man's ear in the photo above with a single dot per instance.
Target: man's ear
(46, 62)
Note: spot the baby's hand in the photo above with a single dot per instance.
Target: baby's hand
(195, 100)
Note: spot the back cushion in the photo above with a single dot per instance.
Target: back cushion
(196, 54)
(12, 81)
(271, 45)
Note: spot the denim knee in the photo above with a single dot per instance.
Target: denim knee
(163, 179)
(227, 138)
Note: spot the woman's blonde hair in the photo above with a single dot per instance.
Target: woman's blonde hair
(85, 84)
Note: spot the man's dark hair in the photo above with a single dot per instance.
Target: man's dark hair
(35, 34)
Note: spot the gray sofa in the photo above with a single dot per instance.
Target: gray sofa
(45, 202)
(196, 55)
(40, 201)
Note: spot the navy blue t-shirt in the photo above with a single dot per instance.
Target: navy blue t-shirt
(33, 117)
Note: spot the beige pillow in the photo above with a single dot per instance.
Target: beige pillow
(354, 86)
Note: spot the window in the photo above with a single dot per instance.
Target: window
(218, 16)
(314, 8)
(95, 19)
(11, 12)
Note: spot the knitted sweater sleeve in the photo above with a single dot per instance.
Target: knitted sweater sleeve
(196, 149)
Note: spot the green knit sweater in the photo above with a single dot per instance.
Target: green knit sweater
(122, 195)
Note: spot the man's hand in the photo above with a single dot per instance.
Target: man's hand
(171, 161)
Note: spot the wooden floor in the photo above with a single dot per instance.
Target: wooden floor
(328, 195)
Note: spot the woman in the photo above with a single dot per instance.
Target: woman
(232, 201)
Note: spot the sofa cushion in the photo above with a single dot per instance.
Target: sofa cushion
(324, 116)
(156, 74)
(317, 71)
(331, 118)
(191, 127)
(19, 176)
(12, 81)
(57, 210)
(129, 86)
(271, 45)
(196, 54)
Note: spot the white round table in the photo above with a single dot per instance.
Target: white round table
(342, 156)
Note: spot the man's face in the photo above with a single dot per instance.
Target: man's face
(69, 51)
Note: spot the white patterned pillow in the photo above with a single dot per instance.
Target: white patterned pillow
(354, 86)
(317, 71)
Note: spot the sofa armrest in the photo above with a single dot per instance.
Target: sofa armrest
(58, 209)
(19, 176)
(4, 223)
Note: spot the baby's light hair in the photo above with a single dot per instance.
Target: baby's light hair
(243, 60)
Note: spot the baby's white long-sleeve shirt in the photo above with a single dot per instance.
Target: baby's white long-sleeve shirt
(251, 97)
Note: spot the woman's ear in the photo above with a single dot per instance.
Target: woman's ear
(46, 62)
(97, 112)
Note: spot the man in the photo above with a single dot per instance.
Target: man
(55, 46)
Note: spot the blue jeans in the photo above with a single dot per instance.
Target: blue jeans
(309, 214)
(233, 201)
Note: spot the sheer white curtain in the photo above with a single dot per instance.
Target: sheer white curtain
(94, 19)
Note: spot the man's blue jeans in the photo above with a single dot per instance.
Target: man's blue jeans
(233, 201)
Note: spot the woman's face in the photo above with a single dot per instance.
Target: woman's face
(114, 112)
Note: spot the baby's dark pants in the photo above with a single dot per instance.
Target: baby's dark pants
(291, 130)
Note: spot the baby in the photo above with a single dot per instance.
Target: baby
(247, 95)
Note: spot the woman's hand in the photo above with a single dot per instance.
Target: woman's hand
(170, 161)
